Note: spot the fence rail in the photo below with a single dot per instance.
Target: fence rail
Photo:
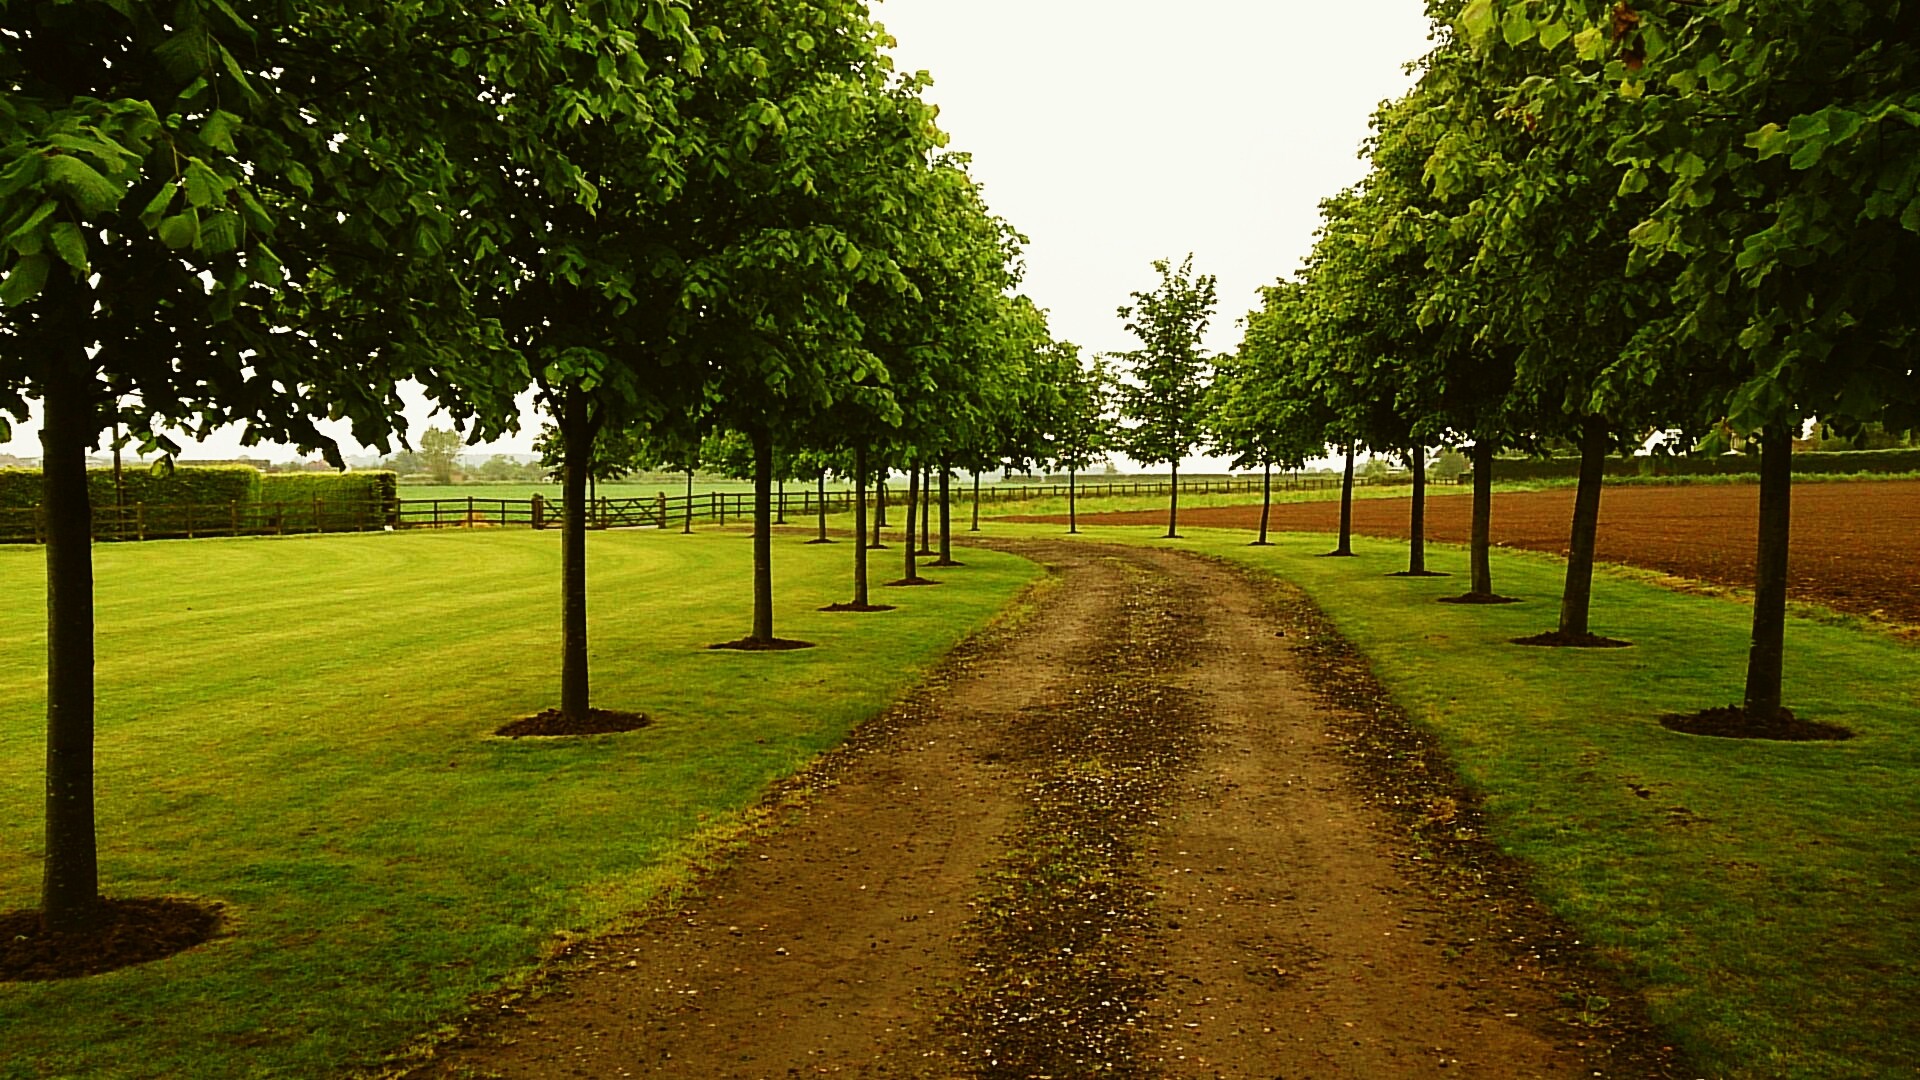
(187, 521)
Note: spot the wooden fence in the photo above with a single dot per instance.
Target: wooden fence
(187, 521)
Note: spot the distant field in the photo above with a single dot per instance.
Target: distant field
(315, 755)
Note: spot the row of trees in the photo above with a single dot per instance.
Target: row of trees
(1590, 223)
(663, 222)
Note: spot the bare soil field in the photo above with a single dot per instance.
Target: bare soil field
(1140, 833)
(1854, 544)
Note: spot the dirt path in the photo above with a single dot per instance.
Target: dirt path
(1119, 839)
(1852, 541)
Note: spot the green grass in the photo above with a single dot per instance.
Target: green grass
(1772, 923)
(610, 490)
(298, 729)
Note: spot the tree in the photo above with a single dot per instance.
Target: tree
(1261, 410)
(440, 452)
(191, 204)
(1164, 393)
(1082, 424)
(1779, 151)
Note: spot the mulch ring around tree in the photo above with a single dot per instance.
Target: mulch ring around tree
(1419, 573)
(910, 581)
(552, 722)
(859, 607)
(747, 644)
(1557, 640)
(945, 562)
(1480, 598)
(1733, 722)
(135, 932)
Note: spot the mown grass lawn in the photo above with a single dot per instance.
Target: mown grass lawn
(1766, 895)
(299, 729)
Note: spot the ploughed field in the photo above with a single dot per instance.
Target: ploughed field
(1853, 543)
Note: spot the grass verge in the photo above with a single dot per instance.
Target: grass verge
(1765, 896)
(298, 729)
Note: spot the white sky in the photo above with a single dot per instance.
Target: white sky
(1116, 132)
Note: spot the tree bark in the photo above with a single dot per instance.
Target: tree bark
(1266, 502)
(926, 511)
(1173, 505)
(576, 436)
(879, 509)
(822, 538)
(860, 525)
(1417, 550)
(946, 514)
(975, 527)
(686, 526)
(1481, 557)
(70, 881)
(1766, 660)
(762, 535)
(913, 506)
(1073, 507)
(780, 504)
(1345, 547)
(1576, 599)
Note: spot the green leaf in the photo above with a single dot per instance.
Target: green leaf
(1552, 34)
(218, 131)
(204, 186)
(1517, 28)
(1770, 141)
(299, 177)
(1633, 181)
(71, 245)
(182, 230)
(1590, 44)
(24, 281)
(221, 233)
(93, 193)
(26, 238)
(1910, 220)
(157, 205)
(1477, 19)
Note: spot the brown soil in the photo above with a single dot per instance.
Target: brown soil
(910, 582)
(1554, 639)
(945, 562)
(1734, 722)
(135, 932)
(859, 607)
(747, 644)
(1479, 598)
(1419, 573)
(1162, 827)
(1852, 541)
(553, 723)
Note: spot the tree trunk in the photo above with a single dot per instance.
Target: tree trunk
(1073, 505)
(70, 883)
(1767, 658)
(1482, 559)
(913, 506)
(1417, 550)
(860, 525)
(1173, 505)
(879, 509)
(576, 440)
(780, 504)
(946, 515)
(762, 535)
(687, 525)
(1576, 599)
(822, 538)
(976, 502)
(926, 511)
(1266, 502)
(1345, 547)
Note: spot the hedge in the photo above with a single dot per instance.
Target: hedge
(1822, 462)
(205, 485)
(372, 486)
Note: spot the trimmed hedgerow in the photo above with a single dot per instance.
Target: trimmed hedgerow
(199, 484)
(372, 486)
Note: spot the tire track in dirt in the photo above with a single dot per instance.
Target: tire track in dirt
(1124, 838)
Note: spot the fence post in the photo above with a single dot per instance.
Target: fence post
(539, 512)
(718, 507)
(140, 519)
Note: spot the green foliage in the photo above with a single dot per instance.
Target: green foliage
(440, 452)
(376, 486)
(210, 485)
(1163, 392)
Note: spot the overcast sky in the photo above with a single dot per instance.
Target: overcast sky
(1116, 132)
